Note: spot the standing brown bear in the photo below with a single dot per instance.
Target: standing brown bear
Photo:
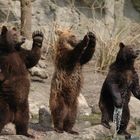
(14, 78)
(121, 81)
(67, 79)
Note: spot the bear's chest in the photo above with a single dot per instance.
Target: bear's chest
(70, 80)
(128, 77)
(12, 64)
(73, 78)
(126, 82)
(125, 78)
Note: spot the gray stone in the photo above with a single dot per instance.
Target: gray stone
(39, 72)
(83, 108)
(134, 106)
(45, 117)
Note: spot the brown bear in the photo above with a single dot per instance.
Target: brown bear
(67, 79)
(14, 78)
(121, 81)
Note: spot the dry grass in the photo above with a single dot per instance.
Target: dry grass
(107, 53)
(108, 48)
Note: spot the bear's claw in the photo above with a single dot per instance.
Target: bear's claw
(91, 35)
(37, 36)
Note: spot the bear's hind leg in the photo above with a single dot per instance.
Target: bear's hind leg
(58, 111)
(6, 115)
(58, 115)
(22, 119)
(70, 119)
(105, 118)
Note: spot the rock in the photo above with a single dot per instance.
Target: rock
(14, 137)
(134, 106)
(39, 72)
(42, 64)
(83, 108)
(95, 109)
(131, 125)
(62, 136)
(45, 117)
(34, 109)
(37, 79)
(8, 129)
(97, 132)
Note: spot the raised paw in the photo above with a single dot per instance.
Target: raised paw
(91, 36)
(38, 36)
(85, 40)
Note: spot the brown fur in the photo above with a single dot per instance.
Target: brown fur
(67, 78)
(14, 87)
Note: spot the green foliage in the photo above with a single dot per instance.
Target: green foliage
(136, 4)
(93, 118)
(107, 54)
(108, 48)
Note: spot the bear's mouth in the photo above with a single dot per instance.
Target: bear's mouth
(22, 41)
(136, 54)
(74, 43)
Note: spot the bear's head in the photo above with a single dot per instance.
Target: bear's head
(10, 39)
(66, 39)
(127, 54)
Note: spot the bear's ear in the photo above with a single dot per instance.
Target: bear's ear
(121, 45)
(4, 30)
(58, 32)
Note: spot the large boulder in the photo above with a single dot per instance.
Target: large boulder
(45, 117)
(134, 106)
(97, 132)
(38, 74)
(83, 107)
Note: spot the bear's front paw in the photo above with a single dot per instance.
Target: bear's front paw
(38, 37)
(84, 42)
(91, 36)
